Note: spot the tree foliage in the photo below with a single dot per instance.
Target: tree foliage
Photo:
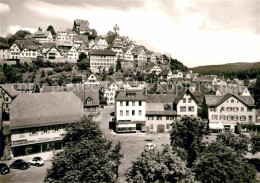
(219, 163)
(87, 156)
(237, 142)
(51, 29)
(188, 134)
(159, 166)
(255, 140)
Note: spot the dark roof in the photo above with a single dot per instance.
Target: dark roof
(44, 109)
(49, 44)
(83, 38)
(24, 43)
(160, 98)
(181, 94)
(207, 78)
(4, 45)
(102, 52)
(137, 96)
(237, 90)
(41, 34)
(213, 100)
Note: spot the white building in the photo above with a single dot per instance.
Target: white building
(156, 69)
(102, 43)
(53, 53)
(62, 36)
(185, 104)
(92, 80)
(73, 53)
(134, 85)
(43, 36)
(4, 51)
(128, 56)
(225, 112)
(130, 111)
(102, 59)
(110, 93)
(29, 52)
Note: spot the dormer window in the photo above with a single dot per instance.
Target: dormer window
(89, 101)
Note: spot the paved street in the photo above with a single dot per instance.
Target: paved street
(32, 175)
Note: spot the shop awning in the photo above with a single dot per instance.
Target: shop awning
(216, 126)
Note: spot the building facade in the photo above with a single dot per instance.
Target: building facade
(102, 60)
(130, 111)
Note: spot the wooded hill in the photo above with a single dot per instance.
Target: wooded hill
(240, 70)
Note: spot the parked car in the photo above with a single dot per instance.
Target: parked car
(4, 169)
(20, 164)
(149, 146)
(37, 161)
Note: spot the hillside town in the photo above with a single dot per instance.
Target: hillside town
(52, 79)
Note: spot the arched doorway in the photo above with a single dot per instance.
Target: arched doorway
(160, 128)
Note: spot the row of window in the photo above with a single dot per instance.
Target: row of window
(43, 130)
(159, 118)
(231, 118)
(102, 63)
(167, 126)
(127, 113)
(229, 109)
(28, 54)
(129, 103)
(184, 100)
(184, 109)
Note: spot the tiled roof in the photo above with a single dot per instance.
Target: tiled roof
(212, 100)
(41, 34)
(224, 89)
(80, 21)
(65, 43)
(23, 43)
(207, 78)
(83, 38)
(181, 94)
(160, 98)
(44, 109)
(102, 52)
(137, 96)
(49, 44)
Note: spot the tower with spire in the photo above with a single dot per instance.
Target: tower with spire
(116, 29)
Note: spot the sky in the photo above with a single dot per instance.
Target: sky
(196, 32)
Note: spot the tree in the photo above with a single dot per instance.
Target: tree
(82, 56)
(87, 156)
(255, 140)
(43, 74)
(159, 166)
(188, 134)
(219, 163)
(116, 157)
(118, 65)
(111, 70)
(237, 142)
(257, 91)
(50, 28)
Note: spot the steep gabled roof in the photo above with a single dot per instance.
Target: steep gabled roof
(237, 90)
(212, 100)
(53, 47)
(137, 96)
(181, 94)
